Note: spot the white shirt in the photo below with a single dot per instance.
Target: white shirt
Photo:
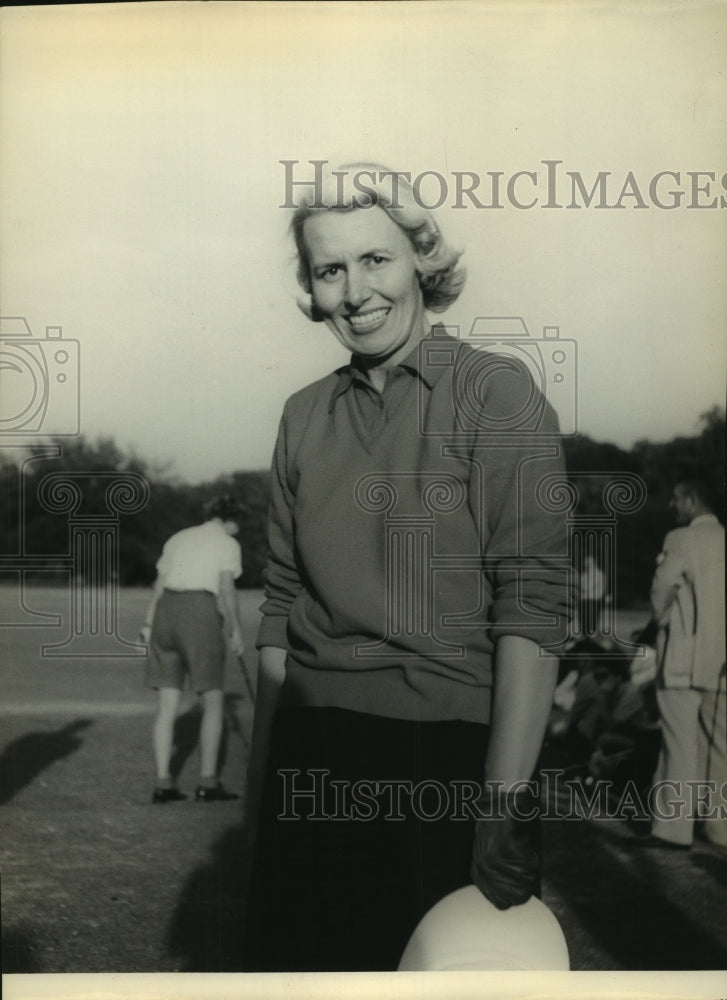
(592, 583)
(194, 558)
(688, 600)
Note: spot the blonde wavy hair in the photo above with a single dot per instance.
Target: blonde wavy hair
(441, 277)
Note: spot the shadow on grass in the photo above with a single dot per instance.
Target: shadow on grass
(186, 734)
(24, 759)
(18, 951)
(207, 929)
(624, 904)
(715, 866)
(618, 912)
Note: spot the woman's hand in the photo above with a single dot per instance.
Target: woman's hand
(237, 643)
(506, 856)
(506, 860)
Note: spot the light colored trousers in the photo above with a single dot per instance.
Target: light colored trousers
(693, 749)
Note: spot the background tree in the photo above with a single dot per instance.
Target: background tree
(174, 504)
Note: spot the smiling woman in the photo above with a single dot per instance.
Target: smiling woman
(364, 284)
(401, 702)
(440, 277)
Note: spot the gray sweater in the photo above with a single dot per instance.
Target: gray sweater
(408, 530)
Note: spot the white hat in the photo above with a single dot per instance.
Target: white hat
(465, 931)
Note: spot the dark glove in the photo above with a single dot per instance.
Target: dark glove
(506, 854)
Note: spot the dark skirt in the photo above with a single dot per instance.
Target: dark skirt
(363, 827)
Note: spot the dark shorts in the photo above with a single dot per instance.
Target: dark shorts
(187, 639)
(344, 893)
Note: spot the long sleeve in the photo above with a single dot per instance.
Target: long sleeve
(282, 582)
(668, 577)
(526, 543)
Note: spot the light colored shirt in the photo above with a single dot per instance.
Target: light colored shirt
(688, 600)
(592, 583)
(194, 558)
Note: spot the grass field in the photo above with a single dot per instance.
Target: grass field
(96, 879)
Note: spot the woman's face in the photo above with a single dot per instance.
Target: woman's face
(364, 282)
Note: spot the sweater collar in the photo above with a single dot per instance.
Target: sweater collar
(424, 361)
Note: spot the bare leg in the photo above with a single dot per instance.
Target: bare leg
(210, 732)
(163, 731)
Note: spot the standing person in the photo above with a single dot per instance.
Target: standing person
(591, 596)
(380, 678)
(194, 595)
(688, 600)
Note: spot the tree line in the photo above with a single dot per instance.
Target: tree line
(28, 527)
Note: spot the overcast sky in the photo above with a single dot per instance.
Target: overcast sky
(141, 188)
